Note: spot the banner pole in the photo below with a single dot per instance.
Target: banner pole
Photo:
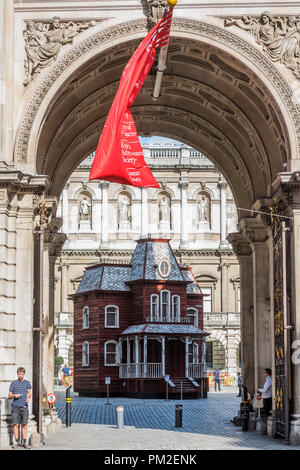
(162, 59)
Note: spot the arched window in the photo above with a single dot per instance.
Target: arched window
(154, 307)
(176, 307)
(111, 353)
(165, 304)
(111, 316)
(85, 317)
(192, 313)
(85, 354)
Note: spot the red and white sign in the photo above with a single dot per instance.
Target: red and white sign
(51, 398)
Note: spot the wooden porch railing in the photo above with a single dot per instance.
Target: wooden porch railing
(149, 370)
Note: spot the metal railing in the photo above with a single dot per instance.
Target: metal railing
(195, 370)
(149, 370)
(159, 319)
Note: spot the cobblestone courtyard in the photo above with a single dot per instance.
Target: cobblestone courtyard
(150, 425)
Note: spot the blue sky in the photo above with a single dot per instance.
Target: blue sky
(158, 140)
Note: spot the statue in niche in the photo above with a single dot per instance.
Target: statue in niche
(84, 210)
(164, 210)
(203, 209)
(43, 42)
(124, 206)
(279, 37)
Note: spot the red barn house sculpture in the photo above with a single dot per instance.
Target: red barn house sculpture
(141, 324)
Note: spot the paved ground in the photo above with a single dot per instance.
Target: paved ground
(150, 425)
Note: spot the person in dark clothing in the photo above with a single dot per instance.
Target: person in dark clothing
(239, 382)
(217, 379)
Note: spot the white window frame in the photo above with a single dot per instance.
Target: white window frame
(168, 304)
(195, 314)
(204, 298)
(117, 363)
(85, 317)
(117, 316)
(169, 268)
(85, 354)
(176, 316)
(152, 316)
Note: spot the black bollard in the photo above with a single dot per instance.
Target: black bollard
(178, 416)
(68, 407)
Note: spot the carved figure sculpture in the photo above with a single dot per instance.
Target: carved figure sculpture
(279, 37)
(84, 210)
(43, 42)
(164, 209)
(124, 209)
(203, 209)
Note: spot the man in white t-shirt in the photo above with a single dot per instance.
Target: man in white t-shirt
(266, 392)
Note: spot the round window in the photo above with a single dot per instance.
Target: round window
(164, 268)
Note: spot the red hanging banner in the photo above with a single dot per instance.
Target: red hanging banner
(119, 155)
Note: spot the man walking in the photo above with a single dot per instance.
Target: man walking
(217, 379)
(20, 391)
(266, 392)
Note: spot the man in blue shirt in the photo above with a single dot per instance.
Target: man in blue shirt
(20, 391)
(217, 379)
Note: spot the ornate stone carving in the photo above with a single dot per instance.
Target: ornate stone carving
(43, 42)
(279, 37)
(156, 9)
(120, 31)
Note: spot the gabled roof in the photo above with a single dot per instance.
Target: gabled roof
(146, 258)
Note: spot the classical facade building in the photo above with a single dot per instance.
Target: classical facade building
(194, 209)
(231, 90)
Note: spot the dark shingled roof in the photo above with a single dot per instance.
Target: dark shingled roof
(165, 328)
(144, 266)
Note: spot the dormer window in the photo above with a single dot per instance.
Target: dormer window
(164, 268)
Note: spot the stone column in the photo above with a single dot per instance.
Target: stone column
(104, 225)
(258, 235)
(64, 287)
(223, 214)
(243, 251)
(144, 215)
(65, 210)
(184, 214)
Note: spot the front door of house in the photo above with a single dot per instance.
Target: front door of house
(174, 358)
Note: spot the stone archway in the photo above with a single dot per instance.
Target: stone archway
(220, 94)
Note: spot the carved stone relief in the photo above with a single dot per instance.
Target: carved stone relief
(43, 42)
(279, 37)
(156, 9)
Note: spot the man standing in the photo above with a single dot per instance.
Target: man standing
(66, 370)
(20, 391)
(266, 392)
(217, 379)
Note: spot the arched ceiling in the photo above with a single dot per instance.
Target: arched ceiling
(209, 100)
